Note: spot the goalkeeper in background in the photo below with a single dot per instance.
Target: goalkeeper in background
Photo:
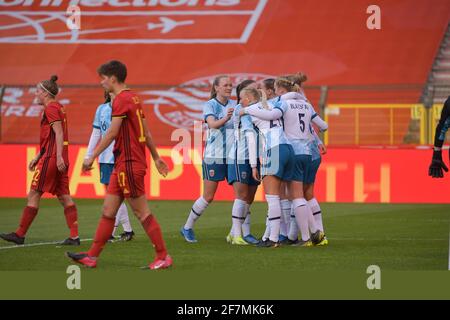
(437, 166)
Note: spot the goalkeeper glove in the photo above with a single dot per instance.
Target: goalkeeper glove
(437, 165)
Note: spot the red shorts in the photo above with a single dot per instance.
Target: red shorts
(127, 180)
(47, 178)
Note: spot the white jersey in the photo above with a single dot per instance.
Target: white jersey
(297, 116)
(271, 131)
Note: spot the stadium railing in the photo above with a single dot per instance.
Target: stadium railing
(380, 115)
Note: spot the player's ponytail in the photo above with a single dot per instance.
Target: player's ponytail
(107, 97)
(298, 78)
(50, 86)
(287, 83)
(216, 83)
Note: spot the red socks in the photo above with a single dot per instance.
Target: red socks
(153, 231)
(28, 215)
(72, 220)
(104, 231)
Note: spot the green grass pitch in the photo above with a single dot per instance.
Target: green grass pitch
(395, 237)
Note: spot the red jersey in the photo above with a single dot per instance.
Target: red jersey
(130, 142)
(53, 112)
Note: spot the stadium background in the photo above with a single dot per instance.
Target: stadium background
(380, 90)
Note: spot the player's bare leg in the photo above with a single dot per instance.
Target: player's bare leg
(105, 227)
(28, 215)
(141, 210)
(71, 215)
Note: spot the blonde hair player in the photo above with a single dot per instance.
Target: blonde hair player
(277, 159)
(297, 115)
(317, 150)
(240, 174)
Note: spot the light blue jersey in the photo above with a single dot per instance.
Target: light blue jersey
(276, 102)
(218, 141)
(102, 121)
(242, 125)
(314, 145)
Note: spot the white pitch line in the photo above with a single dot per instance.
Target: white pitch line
(37, 244)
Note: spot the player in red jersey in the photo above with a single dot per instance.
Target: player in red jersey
(49, 166)
(129, 130)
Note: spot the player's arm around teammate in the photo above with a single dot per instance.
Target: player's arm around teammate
(298, 115)
(277, 161)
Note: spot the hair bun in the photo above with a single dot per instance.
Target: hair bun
(302, 77)
(53, 78)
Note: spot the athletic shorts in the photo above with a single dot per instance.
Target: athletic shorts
(279, 161)
(241, 172)
(301, 167)
(47, 178)
(215, 170)
(127, 180)
(312, 171)
(106, 170)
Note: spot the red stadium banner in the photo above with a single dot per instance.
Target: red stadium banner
(346, 175)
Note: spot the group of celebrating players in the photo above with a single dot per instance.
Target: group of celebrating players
(268, 135)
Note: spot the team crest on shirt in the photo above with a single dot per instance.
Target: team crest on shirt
(244, 175)
(181, 105)
(212, 173)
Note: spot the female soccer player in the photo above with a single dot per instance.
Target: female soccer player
(130, 132)
(297, 115)
(50, 166)
(268, 86)
(240, 174)
(277, 159)
(217, 114)
(317, 149)
(102, 122)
